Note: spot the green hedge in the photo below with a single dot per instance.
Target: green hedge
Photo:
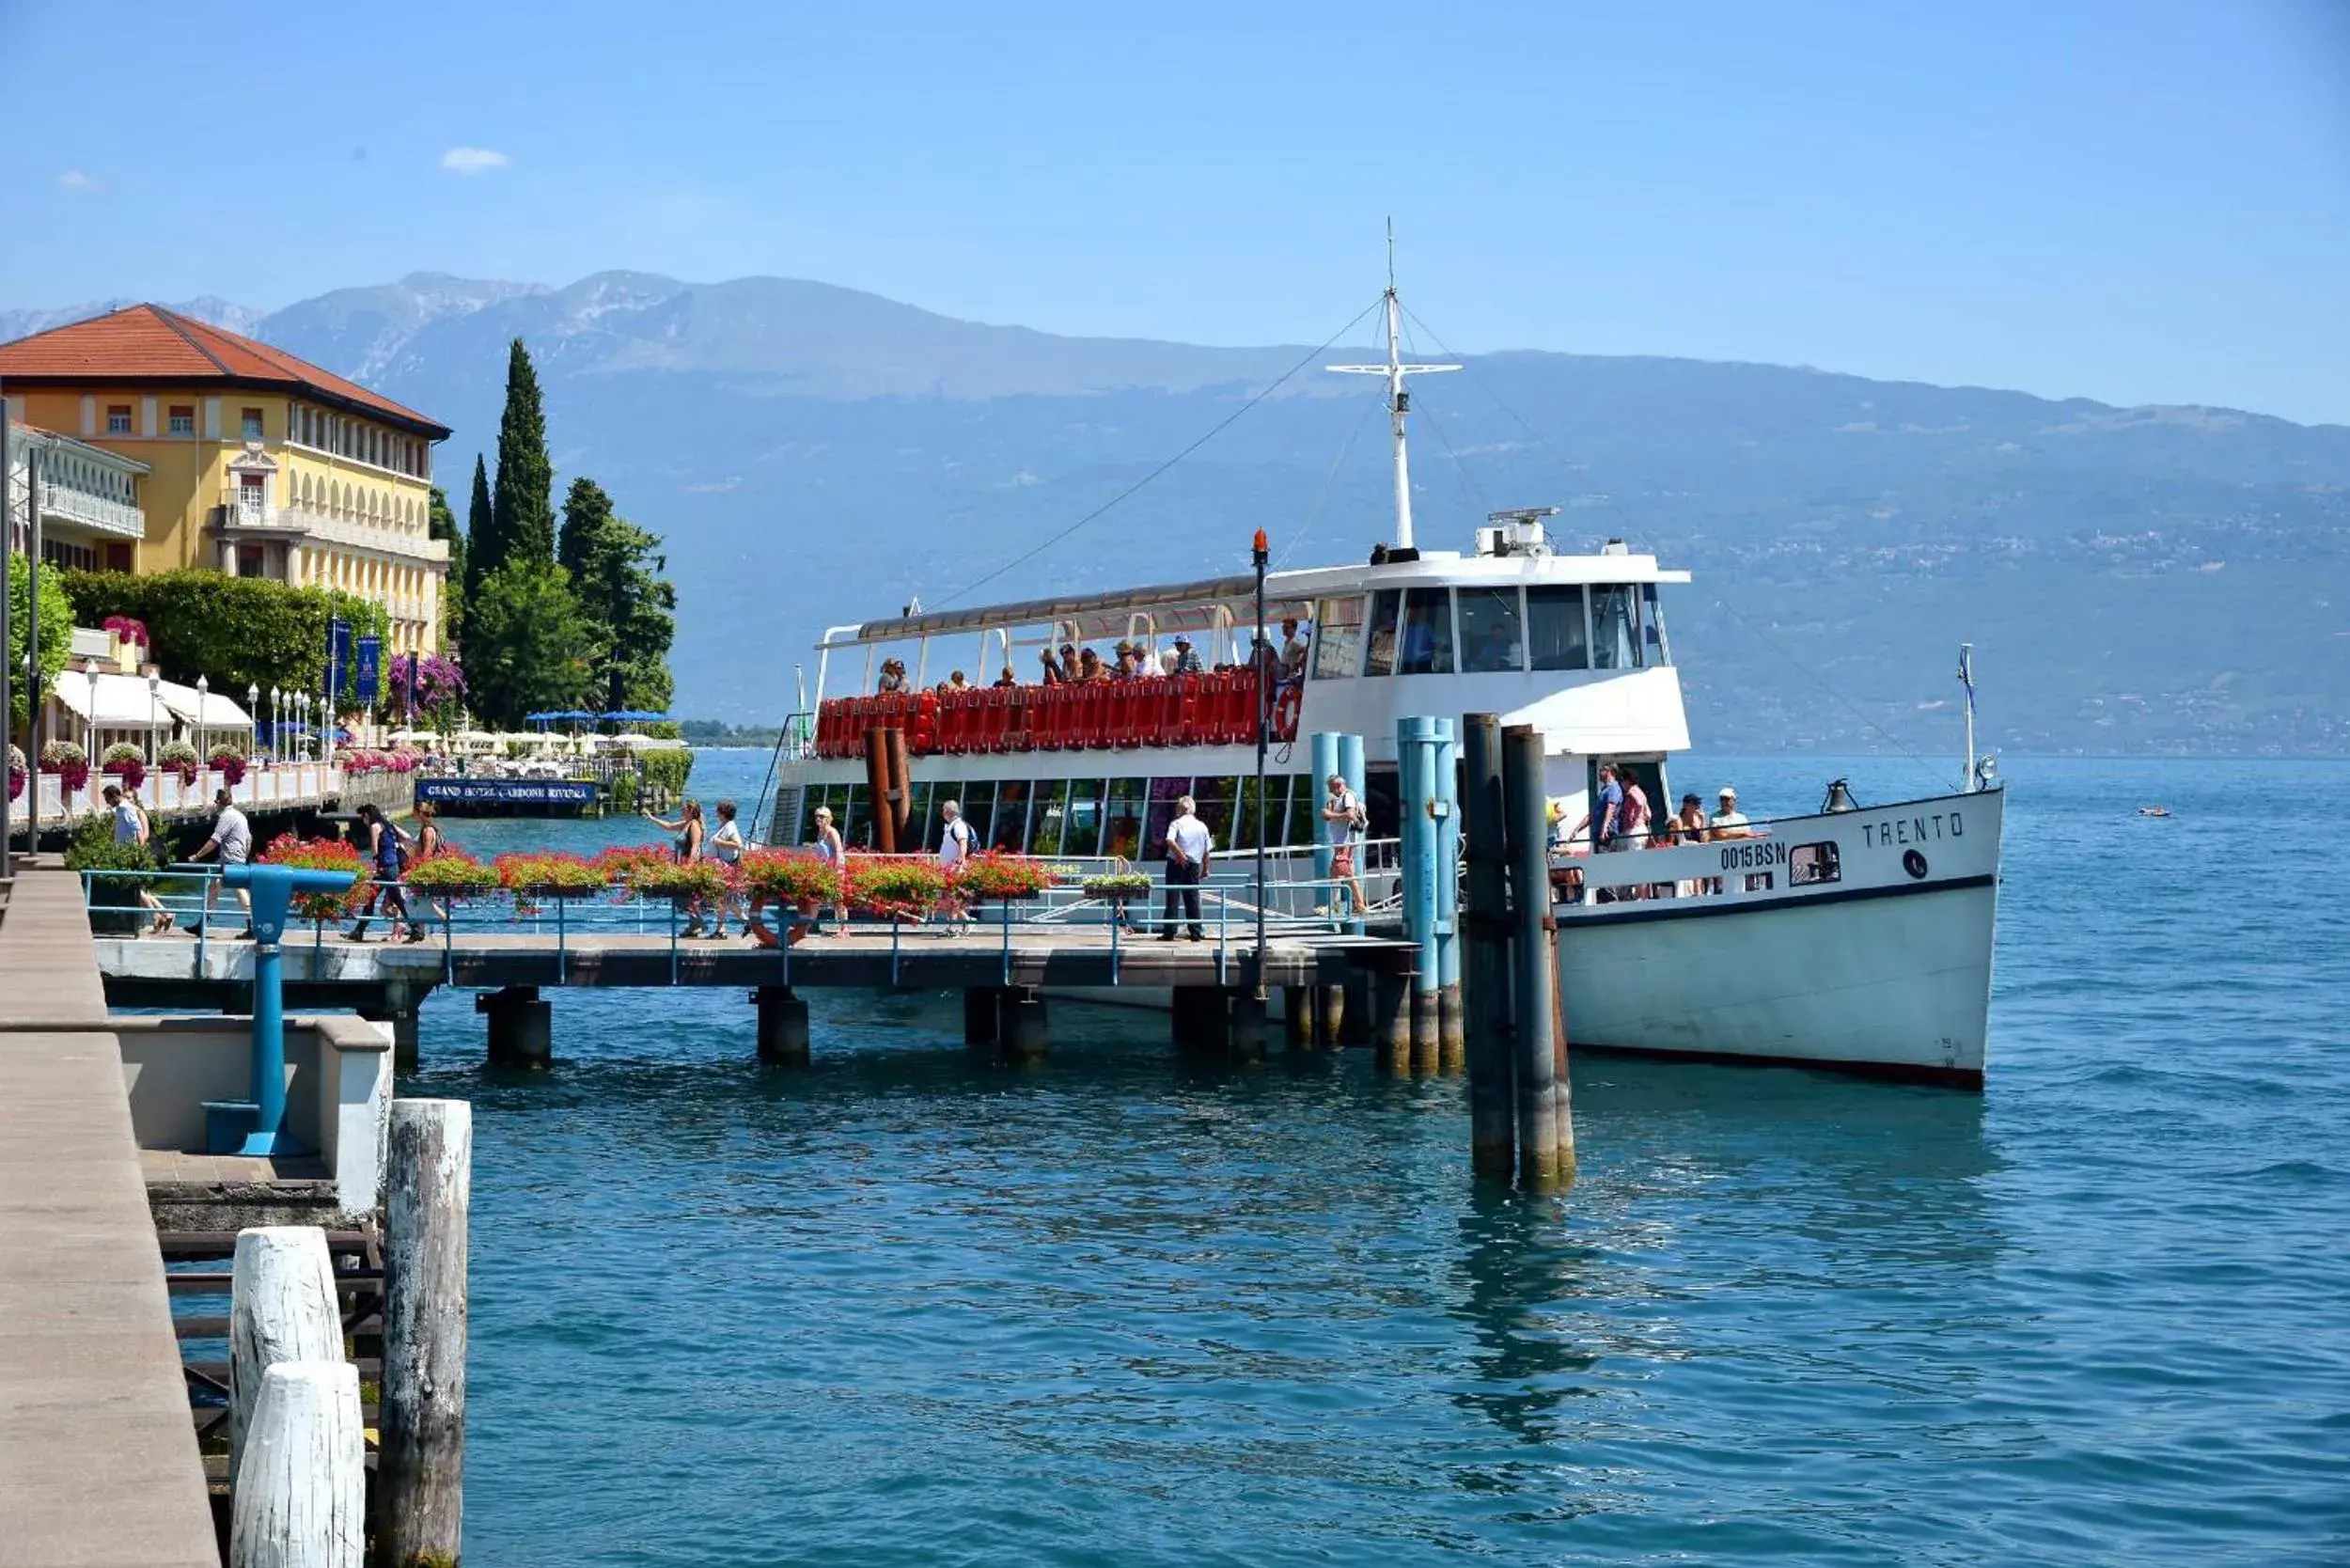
(237, 632)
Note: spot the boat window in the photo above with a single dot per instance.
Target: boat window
(1305, 797)
(1275, 802)
(1081, 833)
(1660, 651)
(1379, 657)
(1615, 628)
(1124, 817)
(979, 810)
(1381, 796)
(1012, 817)
(1338, 637)
(921, 819)
(1048, 818)
(1809, 864)
(1165, 793)
(1492, 637)
(1427, 632)
(853, 820)
(1554, 629)
(1215, 798)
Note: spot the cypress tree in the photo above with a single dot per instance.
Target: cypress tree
(480, 530)
(587, 514)
(522, 508)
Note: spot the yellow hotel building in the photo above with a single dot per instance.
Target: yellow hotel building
(257, 463)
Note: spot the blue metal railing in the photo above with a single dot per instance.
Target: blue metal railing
(194, 896)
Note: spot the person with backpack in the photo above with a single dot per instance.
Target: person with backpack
(386, 854)
(1343, 810)
(956, 844)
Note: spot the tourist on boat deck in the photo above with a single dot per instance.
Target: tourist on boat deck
(1123, 661)
(1007, 680)
(1189, 845)
(1690, 819)
(1089, 666)
(1607, 813)
(1053, 677)
(1187, 661)
(893, 677)
(1344, 812)
(1293, 649)
(955, 681)
(1069, 661)
(1727, 823)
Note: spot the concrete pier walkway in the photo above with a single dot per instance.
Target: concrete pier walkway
(98, 1457)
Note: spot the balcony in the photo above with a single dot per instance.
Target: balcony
(100, 513)
(243, 513)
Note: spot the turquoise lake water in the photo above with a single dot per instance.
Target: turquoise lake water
(901, 1308)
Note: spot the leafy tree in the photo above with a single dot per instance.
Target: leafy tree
(237, 632)
(440, 522)
(57, 634)
(529, 646)
(617, 574)
(523, 507)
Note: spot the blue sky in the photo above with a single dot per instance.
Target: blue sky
(2139, 202)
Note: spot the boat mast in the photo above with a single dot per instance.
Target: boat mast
(1399, 400)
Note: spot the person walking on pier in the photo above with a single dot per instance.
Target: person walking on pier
(726, 846)
(955, 844)
(834, 855)
(1189, 845)
(1344, 812)
(233, 840)
(132, 828)
(385, 854)
(688, 830)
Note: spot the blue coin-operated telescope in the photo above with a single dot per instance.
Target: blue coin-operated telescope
(258, 1126)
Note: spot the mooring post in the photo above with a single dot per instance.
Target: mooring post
(882, 816)
(782, 1026)
(1021, 1033)
(1492, 1118)
(300, 1495)
(1351, 769)
(281, 1307)
(1533, 991)
(522, 1027)
(1415, 751)
(1451, 1044)
(1202, 1018)
(420, 1465)
(1297, 1017)
(1355, 1009)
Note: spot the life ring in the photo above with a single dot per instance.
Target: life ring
(764, 936)
(1286, 706)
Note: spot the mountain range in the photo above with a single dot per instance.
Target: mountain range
(2159, 579)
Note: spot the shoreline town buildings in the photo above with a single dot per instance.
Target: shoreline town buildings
(167, 443)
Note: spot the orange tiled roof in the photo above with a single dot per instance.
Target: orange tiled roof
(145, 342)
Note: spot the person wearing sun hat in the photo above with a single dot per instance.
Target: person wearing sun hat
(1727, 821)
(1186, 660)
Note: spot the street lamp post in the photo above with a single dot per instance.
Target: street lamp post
(252, 723)
(203, 735)
(276, 726)
(89, 673)
(154, 724)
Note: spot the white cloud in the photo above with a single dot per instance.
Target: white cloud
(74, 180)
(473, 159)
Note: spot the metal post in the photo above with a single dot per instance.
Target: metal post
(1545, 1147)
(1257, 660)
(1493, 1127)
(1415, 753)
(1350, 766)
(1451, 1045)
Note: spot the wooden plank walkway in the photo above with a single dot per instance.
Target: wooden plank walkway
(98, 1457)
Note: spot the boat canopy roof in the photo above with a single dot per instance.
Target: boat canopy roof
(1286, 592)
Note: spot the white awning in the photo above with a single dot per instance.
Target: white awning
(123, 700)
(203, 710)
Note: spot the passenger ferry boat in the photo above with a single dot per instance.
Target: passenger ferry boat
(1855, 938)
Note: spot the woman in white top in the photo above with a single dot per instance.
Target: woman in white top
(835, 854)
(726, 848)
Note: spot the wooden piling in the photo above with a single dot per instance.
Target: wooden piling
(1427, 1046)
(420, 1466)
(884, 819)
(1391, 1021)
(522, 1027)
(782, 1026)
(1485, 960)
(982, 1006)
(1329, 1016)
(1533, 983)
(909, 832)
(1245, 1030)
(1202, 1019)
(1354, 1021)
(1299, 1003)
(281, 1307)
(1020, 1031)
(300, 1495)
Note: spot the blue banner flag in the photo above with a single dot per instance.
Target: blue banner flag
(369, 669)
(337, 654)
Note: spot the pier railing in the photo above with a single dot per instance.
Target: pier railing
(561, 927)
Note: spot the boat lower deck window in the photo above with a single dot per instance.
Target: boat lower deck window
(1492, 634)
(1554, 629)
(1808, 865)
(1338, 637)
(1386, 608)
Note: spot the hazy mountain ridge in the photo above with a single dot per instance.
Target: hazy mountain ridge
(2159, 578)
